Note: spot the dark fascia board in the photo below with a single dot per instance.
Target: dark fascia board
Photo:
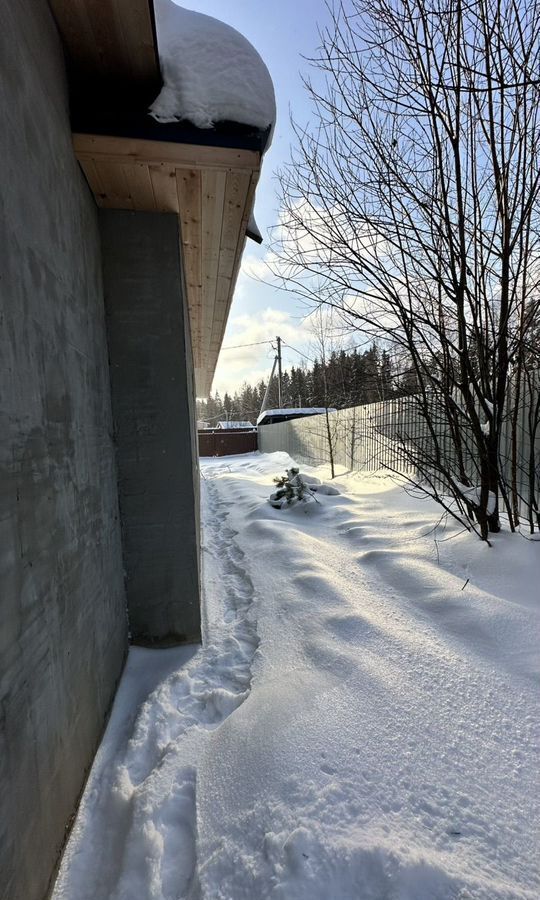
(254, 236)
(143, 126)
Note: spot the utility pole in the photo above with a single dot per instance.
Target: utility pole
(278, 339)
(277, 361)
(267, 392)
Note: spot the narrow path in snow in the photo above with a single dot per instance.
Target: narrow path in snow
(135, 835)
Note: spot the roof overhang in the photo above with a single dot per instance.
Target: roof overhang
(207, 177)
(211, 189)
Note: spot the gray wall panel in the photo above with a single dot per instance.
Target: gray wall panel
(63, 628)
(152, 391)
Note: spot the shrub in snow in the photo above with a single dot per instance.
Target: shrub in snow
(296, 486)
(291, 487)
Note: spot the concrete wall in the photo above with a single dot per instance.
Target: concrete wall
(63, 628)
(152, 391)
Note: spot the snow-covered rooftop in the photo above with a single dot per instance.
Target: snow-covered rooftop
(211, 73)
(294, 411)
(232, 424)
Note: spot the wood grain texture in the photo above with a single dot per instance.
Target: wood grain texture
(140, 187)
(193, 156)
(116, 193)
(111, 40)
(213, 192)
(163, 178)
(188, 186)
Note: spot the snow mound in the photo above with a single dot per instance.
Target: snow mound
(211, 73)
(317, 486)
(326, 489)
(310, 479)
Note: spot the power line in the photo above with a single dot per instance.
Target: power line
(239, 346)
(309, 358)
(298, 351)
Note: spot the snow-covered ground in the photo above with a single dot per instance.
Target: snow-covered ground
(361, 723)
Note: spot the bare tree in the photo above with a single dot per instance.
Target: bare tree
(412, 207)
(321, 326)
(524, 419)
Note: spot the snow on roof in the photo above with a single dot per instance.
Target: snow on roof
(231, 424)
(211, 73)
(295, 411)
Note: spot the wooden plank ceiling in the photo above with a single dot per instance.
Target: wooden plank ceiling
(211, 189)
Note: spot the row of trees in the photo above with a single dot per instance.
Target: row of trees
(345, 378)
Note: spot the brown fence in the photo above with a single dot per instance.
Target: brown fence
(226, 442)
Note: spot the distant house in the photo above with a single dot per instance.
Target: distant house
(231, 425)
(271, 416)
(121, 238)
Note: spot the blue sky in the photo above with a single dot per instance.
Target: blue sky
(282, 31)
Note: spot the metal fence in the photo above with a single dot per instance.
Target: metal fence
(226, 441)
(363, 437)
(388, 435)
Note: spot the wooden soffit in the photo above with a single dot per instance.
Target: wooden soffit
(212, 190)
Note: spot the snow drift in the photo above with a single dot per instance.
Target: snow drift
(360, 724)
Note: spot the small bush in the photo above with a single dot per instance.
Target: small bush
(290, 488)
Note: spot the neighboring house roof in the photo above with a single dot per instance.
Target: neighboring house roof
(207, 176)
(292, 412)
(230, 424)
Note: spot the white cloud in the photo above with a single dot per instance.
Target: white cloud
(251, 363)
(256, 267)
(262, 274)
(254, 273)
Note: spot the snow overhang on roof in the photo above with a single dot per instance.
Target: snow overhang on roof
(211, 73)
(198, 154)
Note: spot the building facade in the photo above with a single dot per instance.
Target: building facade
(120, 244)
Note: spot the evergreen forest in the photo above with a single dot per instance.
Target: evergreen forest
(348, 378)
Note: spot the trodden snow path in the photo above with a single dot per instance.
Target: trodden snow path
(361, 723)
(135, 834)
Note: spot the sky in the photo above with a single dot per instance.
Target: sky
(283, 32)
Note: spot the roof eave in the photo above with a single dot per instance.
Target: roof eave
(131, 161)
